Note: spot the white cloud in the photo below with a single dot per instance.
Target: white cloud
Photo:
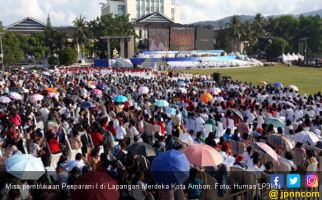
(63, 12)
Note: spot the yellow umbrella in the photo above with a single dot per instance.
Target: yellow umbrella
(206, 97)
(263, 82)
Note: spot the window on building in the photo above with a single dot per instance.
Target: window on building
(121, 10)
(172, 14)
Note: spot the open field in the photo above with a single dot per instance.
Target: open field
(307, 79)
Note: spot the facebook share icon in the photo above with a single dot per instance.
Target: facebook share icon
(277, 181)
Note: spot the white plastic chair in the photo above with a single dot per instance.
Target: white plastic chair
(71, 152)
(54, 158)
(208, 129)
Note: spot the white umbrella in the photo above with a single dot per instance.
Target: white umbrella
(143, 90)
(25, 166)
(5, 100)
(293, 87)
(182, 90)
(306, 137)
(36, 97)
(186, 138)
(45, 73)
(15, 96)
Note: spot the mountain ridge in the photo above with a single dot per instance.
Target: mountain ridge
(226, 20)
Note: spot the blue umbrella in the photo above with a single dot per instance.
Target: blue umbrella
(278, 85)
(181, 83)
(161, 103)
(101, 86)
(170, 167)
(171, 111)
(275, 122)
(120, 99)
(87, 104)
(25, 166)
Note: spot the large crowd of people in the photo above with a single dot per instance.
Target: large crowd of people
(84, 120)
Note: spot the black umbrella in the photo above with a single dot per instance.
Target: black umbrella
(73, 97)
(141, 148)
(16, 89)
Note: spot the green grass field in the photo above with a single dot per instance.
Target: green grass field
(307, 79)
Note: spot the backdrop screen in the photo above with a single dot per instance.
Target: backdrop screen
(159, 39)
(182, 39)
(205, 39)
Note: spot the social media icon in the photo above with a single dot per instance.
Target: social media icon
(293, 181)
(277, 181)
(312, 180)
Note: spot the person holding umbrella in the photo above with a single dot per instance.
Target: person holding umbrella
(192, 184)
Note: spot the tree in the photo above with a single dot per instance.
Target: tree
(67, 56)
(277, 48)
(81, 33)
(54, 40)
(12, 49)
(235, 30)
(109, 25)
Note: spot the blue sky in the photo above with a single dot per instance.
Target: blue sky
(63, 12)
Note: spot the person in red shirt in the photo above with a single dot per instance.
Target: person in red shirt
(111, 129)
(15, 118)
(97, 137)
(54, 144)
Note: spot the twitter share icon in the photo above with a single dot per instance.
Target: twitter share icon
(293, 181)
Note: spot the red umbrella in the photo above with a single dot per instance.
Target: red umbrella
(104, 191)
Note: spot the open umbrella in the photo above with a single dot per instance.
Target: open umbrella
(276, 122)
(203, 155)
(120, 99)
(25, 166)
(206, 97)
(182, 90)
(46, 73)
(265, 149)
(306, 137)
(215, 91)
(278, 85)
(96, 92)
(51, 90)
(293, 87)
(15, 96)
(108, 192)
(140, 148)
(278, 141)
(87, 104)
(16, 89)
(238, 113)
(171, 111)
(263, 82)
(289, 104)
(181, 83)
(5, 100)
(101, 86)
(143, 90)
(161, 103)
(170, 167)
(54, 95)
(36, 97)
(186, 138)
(72, 97)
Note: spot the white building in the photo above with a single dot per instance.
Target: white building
(138, 9)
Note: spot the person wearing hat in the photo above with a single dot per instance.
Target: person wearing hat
(238, 162)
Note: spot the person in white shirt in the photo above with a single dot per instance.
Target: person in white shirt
(199, 124)
(120, 133)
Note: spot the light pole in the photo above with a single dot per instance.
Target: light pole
(1, 54)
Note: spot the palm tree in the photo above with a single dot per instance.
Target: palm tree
(81, 33)
(259, 23)
(235, 29)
